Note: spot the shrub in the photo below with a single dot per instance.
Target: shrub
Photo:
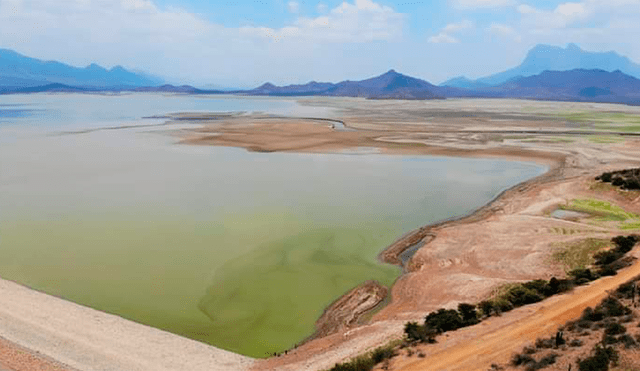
(576, 343)
(600, 360)
(362, 363)
(443, 320)
(611, 307)
(615, 329)
(545, 361)
(522, 359)
(607, 257)
(605, 177)
(625, 291)
(366, 362)
(628, 341)
(608, 270)
(589, 314)
(582, 275)
(502, 305)
(415, 332)
(544, 343)
(608, 339)
(486, 307)
(382, 353)
(520, 295)
(539, 286)
(468, 314)
(624, 244)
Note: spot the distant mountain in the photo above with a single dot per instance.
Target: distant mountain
(553, 58)
(62, 88)
(578, 85)
(464, 83)
(390, 85)
(312, 88)
(185, 89)
(18, 71)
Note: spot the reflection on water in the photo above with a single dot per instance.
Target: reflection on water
(217, 244)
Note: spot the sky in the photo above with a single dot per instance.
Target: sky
(244, 43)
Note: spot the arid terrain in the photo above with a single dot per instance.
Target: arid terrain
(512, 239)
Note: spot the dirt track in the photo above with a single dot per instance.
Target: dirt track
(496, 344)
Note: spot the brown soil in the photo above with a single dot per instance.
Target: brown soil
(497, 339)
(464, 260)
(16, 358)
(345, 312)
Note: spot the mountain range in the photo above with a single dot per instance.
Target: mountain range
(552, 58)
(547, 73)
(390, 85)
(18, 72)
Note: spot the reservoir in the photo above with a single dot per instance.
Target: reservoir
(237, 249)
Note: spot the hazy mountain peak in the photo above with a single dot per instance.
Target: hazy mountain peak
(555, 58)
(573, 47)
(267, 85)
(19, 71)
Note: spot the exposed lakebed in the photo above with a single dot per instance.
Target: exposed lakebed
(237, 249)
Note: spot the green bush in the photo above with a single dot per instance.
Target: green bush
(520, 295)
(624, 244)
(582, 275)
(366, 362)
(443, 320)
(415, 332)
(486, 307)
(468, 313)
(382, 353)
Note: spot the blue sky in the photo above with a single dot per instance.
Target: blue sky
(247, 42)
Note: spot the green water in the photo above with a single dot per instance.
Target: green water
(236, 249)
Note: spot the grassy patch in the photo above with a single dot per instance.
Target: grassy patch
(579, 254)
(605, 139)
(604, 211)
(607, 121)
(548, 140)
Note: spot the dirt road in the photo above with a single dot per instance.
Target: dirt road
(497, 345)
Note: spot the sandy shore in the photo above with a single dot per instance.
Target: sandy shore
(81, 338)
(463, 260)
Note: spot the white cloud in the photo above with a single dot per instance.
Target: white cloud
(473, 4)
(135, 5)
(527, 9)
(443, 38)
(595, 24)
(455, 27)
(175, 43)
(294, 7)
(361, 21)
(446, 34)
(504, 32)
(322, 8)
(564, 15)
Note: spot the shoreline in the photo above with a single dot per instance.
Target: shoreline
(563, 166)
